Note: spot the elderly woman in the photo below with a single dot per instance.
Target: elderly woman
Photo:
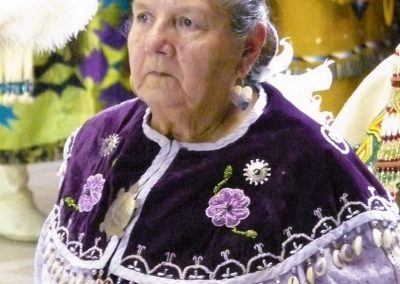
(200, 180)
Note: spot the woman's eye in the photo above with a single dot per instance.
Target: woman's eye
(142, 18)
(187, 23)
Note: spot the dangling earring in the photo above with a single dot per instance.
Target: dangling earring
(241, 96)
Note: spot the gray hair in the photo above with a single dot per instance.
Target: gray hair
(244, 16)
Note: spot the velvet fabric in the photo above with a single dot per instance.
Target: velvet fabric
(313, 176)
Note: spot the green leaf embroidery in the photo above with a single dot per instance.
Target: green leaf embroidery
(227, 175)
(70, 202)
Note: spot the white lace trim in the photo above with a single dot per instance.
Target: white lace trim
(335, 140)
(348, 219)
(68, 146)
(295, 250)
(71, 250)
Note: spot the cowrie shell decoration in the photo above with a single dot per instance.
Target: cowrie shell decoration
(357, 245)
(72, 279)
(336, 259)
(293, 280)
(387, 238)
(321, 266)
(377, 236)
(310, 276)
(80, 279)
(346, 253)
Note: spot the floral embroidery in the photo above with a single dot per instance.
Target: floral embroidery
(225, 268)
(229, 206)
(91, 194)
(257, 172)
(109, 145)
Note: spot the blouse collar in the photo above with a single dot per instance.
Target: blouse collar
(252, 117)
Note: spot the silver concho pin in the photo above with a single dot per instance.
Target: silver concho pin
(257, 172)
(120, 212)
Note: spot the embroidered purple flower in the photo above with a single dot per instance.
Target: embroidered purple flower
(228, 207)
(91, 193)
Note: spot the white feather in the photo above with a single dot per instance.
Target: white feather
(43, 24)
(281, 62)
(299, 89)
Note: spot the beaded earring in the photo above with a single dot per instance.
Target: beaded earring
(241, 95)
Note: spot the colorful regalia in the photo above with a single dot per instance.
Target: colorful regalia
(354, 34)
(380, 149)
(281, 199)
(44, 97)
(29, 128)
(68, 87)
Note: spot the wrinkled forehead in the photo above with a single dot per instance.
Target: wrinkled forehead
(205, 11)
(207, 6)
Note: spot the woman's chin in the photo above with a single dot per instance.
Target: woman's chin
(162, 98)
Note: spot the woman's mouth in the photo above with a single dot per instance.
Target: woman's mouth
(159, 74)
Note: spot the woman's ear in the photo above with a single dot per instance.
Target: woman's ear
(252, 49)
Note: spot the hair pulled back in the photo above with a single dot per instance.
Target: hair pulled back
(244, 16)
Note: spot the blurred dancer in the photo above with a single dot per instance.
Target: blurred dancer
(355, 34)
(54, 95)
(370, 120)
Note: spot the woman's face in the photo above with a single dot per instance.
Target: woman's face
(182, 53)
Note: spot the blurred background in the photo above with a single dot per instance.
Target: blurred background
(16, 258)
(53, 93)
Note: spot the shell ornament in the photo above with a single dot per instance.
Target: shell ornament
(257, 172)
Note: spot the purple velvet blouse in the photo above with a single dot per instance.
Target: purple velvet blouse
(281, 200)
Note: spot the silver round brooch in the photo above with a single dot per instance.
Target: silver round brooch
(257, 172)
(109, 145)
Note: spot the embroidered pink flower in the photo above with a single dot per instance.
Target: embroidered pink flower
(228, 207)
(91, 193)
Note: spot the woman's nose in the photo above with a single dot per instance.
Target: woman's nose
(159, 41)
